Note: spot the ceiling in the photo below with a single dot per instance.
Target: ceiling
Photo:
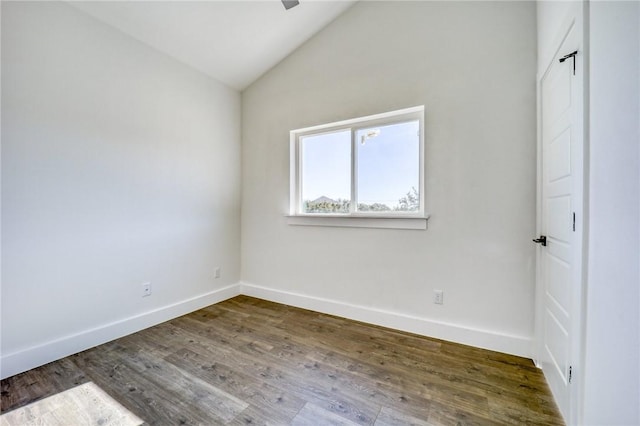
(234, 42)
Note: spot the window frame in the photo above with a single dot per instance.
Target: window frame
(362, 217)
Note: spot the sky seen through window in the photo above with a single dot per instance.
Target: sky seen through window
(387, 164)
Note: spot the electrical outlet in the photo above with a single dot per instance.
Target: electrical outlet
(438, 297)
(216, 272)
(146, 289)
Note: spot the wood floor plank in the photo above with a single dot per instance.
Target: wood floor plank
(267, 402)
(312, 415)
(40, 383)
(250, 361)
(260, 365)
(445, 376)
(390, 417)
(141, 396)
(446, 415)
(85, 404)
(342, 373)
(253, 416)
(385, 394)
(181, 382)
(278, 372)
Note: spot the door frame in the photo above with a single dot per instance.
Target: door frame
(576, 16)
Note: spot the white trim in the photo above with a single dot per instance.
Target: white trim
(35, 356)
(486, 339)
(394, 222)
(348, 123)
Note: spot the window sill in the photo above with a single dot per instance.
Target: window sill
(359, 221)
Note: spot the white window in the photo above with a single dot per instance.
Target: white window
(369, 167)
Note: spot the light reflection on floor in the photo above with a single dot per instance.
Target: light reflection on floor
(86, 404)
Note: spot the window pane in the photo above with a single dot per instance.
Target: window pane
(388, 177)
(326, 172)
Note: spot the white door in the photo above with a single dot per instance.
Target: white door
(561, 180)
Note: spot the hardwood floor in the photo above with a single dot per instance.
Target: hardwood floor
(249, 361)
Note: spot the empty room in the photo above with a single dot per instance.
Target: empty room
(320, 212)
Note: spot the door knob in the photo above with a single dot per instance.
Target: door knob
(542, 240)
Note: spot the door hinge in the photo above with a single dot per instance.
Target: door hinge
(570, 373)
(571, 55)
(574, 221)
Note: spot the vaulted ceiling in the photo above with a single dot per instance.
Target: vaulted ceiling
(234, 42)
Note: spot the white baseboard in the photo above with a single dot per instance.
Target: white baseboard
(29, 358)
(486, 339)
(35, 356)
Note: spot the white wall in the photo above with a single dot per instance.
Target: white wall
(612, 355)
(472, 64)
(119, 166)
